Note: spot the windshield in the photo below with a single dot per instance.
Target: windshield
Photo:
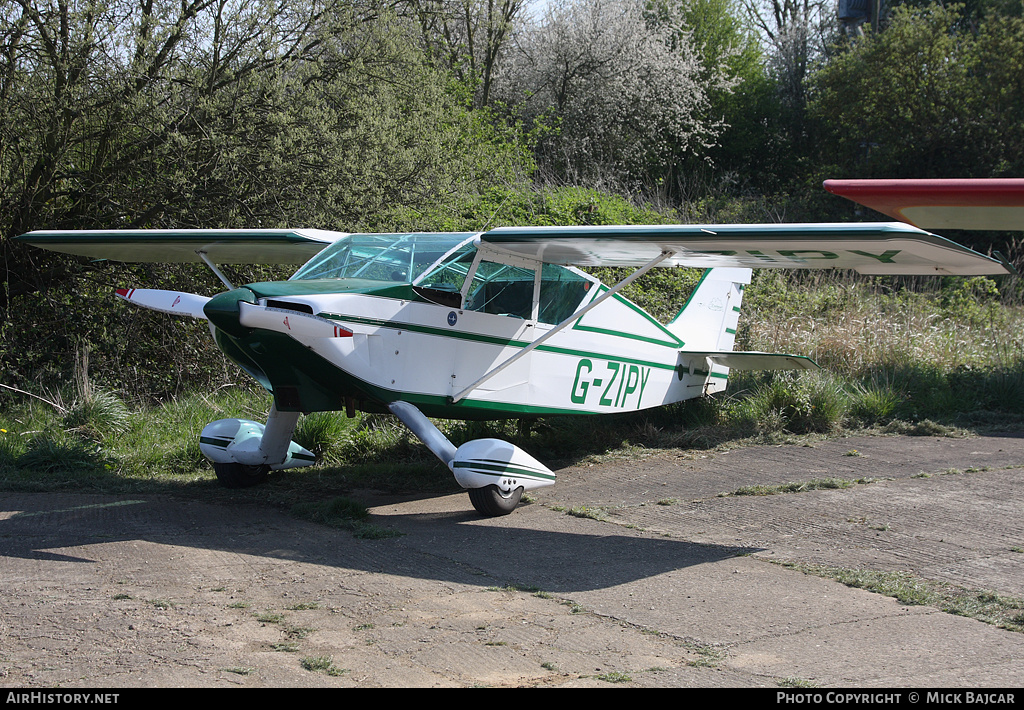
(381, 257)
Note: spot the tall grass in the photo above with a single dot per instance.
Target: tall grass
(858, 327)
(99, 438)
(952, 349)
(44, 445)
(801, 404)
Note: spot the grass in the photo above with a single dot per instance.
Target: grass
(910, 349)
(996, 609)
(322, 664)
(240, 670)
(795, 683)
(156, 446)
(582, 511)
(707, 656)
(816, 484)
(298, 632)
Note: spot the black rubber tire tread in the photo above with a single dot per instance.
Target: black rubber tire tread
(490, 501)
(236, 475)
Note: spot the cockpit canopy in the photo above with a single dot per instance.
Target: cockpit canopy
(445, 268)
(394, 258)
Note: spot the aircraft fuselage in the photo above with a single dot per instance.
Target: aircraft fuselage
(403, 348)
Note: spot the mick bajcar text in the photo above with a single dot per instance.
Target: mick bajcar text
(966, 697)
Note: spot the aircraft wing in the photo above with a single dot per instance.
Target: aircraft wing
(222, 246)
(990, 203)
(868, 248)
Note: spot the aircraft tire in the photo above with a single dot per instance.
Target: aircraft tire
(236, 475)
(491, 502)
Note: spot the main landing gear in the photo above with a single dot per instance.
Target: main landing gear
(238, 475)
(493, 502)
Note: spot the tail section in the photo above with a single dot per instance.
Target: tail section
(707, 327)
(708, 320)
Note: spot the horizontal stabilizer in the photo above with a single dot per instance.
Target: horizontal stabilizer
(168, 246)
(746, 360)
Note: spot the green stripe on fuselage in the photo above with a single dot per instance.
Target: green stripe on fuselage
(493, 340)
(303, 381)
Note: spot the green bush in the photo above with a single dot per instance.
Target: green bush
(57, 451)
(815, 402)
(325, 435)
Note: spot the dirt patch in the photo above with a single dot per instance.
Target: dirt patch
(666, 584)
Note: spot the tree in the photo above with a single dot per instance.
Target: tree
(208, 113)
(162, 113)
(924, 98)
(742, 94)
(624, 88)
(796, 34)
(466, 37)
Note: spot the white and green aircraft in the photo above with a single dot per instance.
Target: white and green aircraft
(497, 324)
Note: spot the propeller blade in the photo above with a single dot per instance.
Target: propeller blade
(289, 322)
(176, 302)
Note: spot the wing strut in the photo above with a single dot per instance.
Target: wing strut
(220, 275)
(575, 316)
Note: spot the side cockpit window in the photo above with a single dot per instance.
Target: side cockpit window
(562, 291)
(501, 289)
(497, 288)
